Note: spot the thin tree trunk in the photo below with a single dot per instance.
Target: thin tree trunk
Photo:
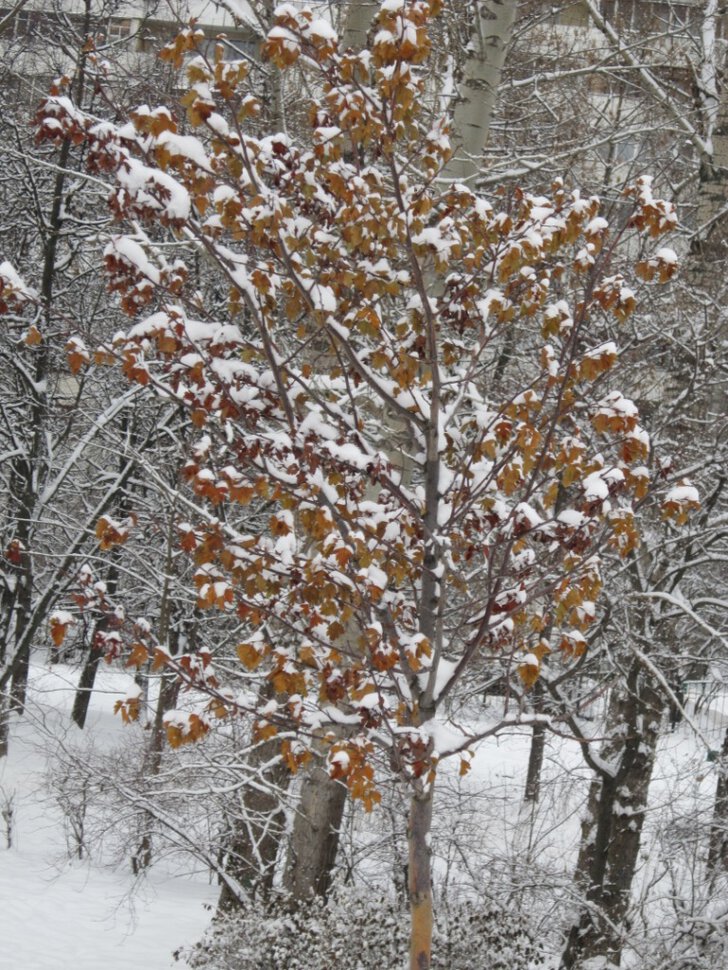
(420, 878)
(718, 846)
(87, 679)
(166, 700)
(536, 752)
(21, 670)
(29, 475)
(88, 674)
(612, 829)
(168, 691)
(31, 470)
(4, 722)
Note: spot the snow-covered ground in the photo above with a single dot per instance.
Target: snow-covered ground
(80, 915)
(89, 914)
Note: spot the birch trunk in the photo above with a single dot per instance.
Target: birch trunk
(477, 92)
(710, 242)
(707, 267)
(357, 24)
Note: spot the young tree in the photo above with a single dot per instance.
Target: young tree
(365, 296)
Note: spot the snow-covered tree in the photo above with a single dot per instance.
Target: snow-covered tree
(413, 384)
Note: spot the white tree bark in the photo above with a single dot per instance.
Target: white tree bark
(713, 195)
(489, 40)
(358, 18)
(709, 65)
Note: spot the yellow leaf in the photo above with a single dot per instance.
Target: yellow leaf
(249, 656)
(528, 672)
(58, 632)
(138, 655)
(33, 336)
(263, 731)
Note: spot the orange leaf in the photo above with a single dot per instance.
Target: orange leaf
(249, 656)
(263, 730)
(137, 656)
(529, 671)
(58, 632)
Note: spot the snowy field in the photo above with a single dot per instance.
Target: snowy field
(85, 915)
(74, 915)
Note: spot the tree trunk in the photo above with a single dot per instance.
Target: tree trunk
(705, 269)
(536, 753)
(420, 878)
(315, 838)
(612, 828)
(718, 847)
(30, 470)
(23, 604)
(4, 722)
(357, 23)
(477, 92)
(252, 845)
(710, 244)
(86, 681)
(88, 675)
(168, 692)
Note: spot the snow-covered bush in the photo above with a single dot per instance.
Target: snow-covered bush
(357, 930)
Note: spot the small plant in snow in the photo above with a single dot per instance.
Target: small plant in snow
(72, 794)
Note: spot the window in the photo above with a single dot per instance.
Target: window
(118, 30)
(21, 23)
(650, 15)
